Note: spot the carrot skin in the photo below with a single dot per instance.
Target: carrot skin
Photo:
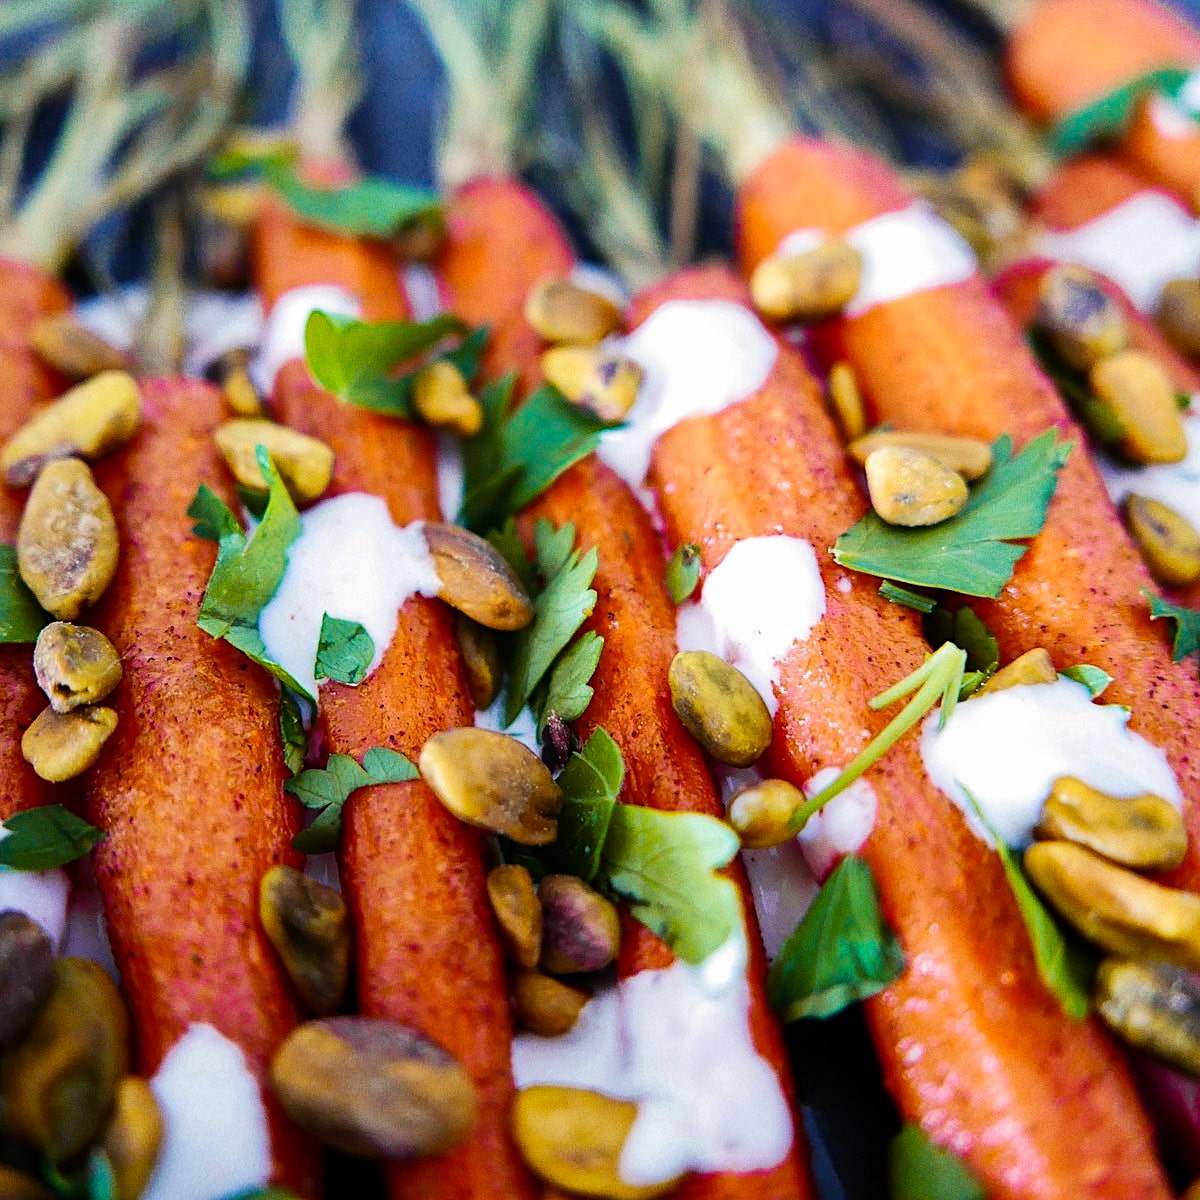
(1084, 188)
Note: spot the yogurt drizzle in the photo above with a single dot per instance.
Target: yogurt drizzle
(1176, 485)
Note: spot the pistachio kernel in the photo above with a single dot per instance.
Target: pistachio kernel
(1168, 543)
(1079, 316)
(309, 926)
(1179, 315)
(1153, 1005)
(1120, 911)
(237, 388)
(968, 456)
(546, 1006)
(518, 911)
(845, 399)
(913, 489)
(573, 1139)
(1141, 397)
(67, 542)
(75, 665)
(61, 342)
(27, 968)
(809, 286)
(133, 1137)
(719, 707)
(581, 929)
(480, 650)
(1033, 667)
(441, 399)
(492, 781)
(373, 1087)
(89, 421)
(761, 813)
(1143, 832)
(57, 1085)
(476, 578)
(305, 464)
(59, 746)
(599, 381)
(562, 311)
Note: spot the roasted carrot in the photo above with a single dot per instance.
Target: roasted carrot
(949, 359)
(974, 1047)
(188, 789)
(1085, 188)
(428, 954)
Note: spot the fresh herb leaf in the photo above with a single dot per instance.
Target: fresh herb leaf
(22, 618)
(1072, 384)
(101, 1179)
(324, 835)
(963, 627)
(1108, 117)
(292, 732)
(683, 572)
(841, 952)
(384, 765)
(898, 595)
(1092, 678)
(45, 837)
(973, 552)
(344, 651)
(919, 1170)
(267, 1193)
(591, 782)
(569, 692)
(242, 156)
(552, 546)
(508, 542)
(1187, 624)
(213, 519)
(468, 354)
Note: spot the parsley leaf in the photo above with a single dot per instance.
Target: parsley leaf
(898, 595)
(841, 952)
(508, 542)
(21, 616)
(568, 693)
(1109, 116)
(919, 1170)
(1097, 417)
(213, 519)
(37, 839)
(964, 628)
(1187, 624)
(291, 731)
(973, 552)
(591, 782)
(1095, 680)
(344, 651)
(683, 572)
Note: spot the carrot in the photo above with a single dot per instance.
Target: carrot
(1083, 189)
(508, 242)
(973, 1046)
(428, 954)
(949, 359)
(188, 789)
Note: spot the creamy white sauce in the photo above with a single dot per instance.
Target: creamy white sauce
(765, 595)
(421, 289)
(352, 562)
(1175, 117)
(1176, 485)
(215, 1140)
(677, 1042)
(595, 278)
(41, 895)
(841, 827)
(283, 334)
(1007, 748)
(1140, 244)
(87, 932)
(524, 728)
(450, 483)
(699, 357)
(904, 252)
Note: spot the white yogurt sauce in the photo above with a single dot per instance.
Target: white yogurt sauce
(699, 357)
(1007, 748)
(1175, 117)
(421, 290)
(215, 1140)
(41, 895)
(1140, 244)
(904, 252)
(676, 1042)
(283, 334)
(352, 562)
(524, 728)
(450, 483)
(1176, 485)
(765, 595)
(841, 827)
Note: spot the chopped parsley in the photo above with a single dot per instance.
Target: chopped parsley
(37, 839)
(22, 618)
(1095, 680)
(919, 1170)
(898, 595)
(1187, 624)
(344, 651)
(1108, 117)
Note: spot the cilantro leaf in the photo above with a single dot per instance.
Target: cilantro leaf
(683, 572)
(1097, 417)
(344, 651)
(508, 542)
(22, 618)
(1095, 680)
(591, 782)
(898, 595)
(973, 552)
(1187, 624)
(291, 731)
(212, 515)
(919, 1170)
(101, 1178)
(1109, 116)
(569, 693)
(38, 839)
(841, 952)
(964, 628)
(384, 765)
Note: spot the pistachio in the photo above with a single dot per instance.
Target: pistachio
(232, 372)
(491, 780)
(1080, 317)
(63, 343)
(968, 456)
(518, 910)
(16, 1186)
(599, 381)
(581, 930)
(309, 927)
(237, 204)
(442, 400)
(1142, 399)
(67, 542)
(75, 665)
(1153, 1005)
(846, 401)
(476, 578)
(480, 650)
(562, 311)
(1118, 910)
(546, 1006)
(573, 1140)
(59, 746)
(133, 1137)
(27, 968)
(760, 813)
(91, 420)
(913, 489)
(1179, 315)
(373, 1087)
(1034, 666)
(1193, 1191)
(809, 286)
(57, 1085)
(1168, 543)
(719, 707)
(1143, 832)
(305, 464)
